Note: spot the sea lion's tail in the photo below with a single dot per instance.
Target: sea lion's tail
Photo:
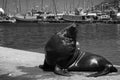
(108, 69)
(113, 69)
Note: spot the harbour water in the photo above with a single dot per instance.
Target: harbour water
(102, 39)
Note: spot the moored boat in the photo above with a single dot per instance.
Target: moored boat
(79, 18)
(4, 18)
(22, 18)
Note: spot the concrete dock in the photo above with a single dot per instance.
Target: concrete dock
(23, 65)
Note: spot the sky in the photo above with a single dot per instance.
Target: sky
(61, 5)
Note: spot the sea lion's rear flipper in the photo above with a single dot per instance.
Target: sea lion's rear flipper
(59, 71)
(103, 72)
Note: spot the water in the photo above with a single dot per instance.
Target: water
(102, 39)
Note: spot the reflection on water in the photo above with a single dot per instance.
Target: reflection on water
(118, 32)
(102, 39)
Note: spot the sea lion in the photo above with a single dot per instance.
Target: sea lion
(63, 55)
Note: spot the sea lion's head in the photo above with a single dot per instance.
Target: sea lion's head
(69, 32)
(61, 45)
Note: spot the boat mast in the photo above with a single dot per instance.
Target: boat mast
(92, 5)
(84, 3)
(50, 6)
(18, 6)
(5, 5)
(64, 7)
(55, 7)
(78, 4)
(26, 5)
(42, 5)
(73, 5)
(70, 6)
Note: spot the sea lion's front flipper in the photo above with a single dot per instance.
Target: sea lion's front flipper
(63, 72)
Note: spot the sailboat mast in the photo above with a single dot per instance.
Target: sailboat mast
(70, 7)
(92, 5)
(78, 4)
(64, 6)
(26, 5)
(5, 5)
(19, 3)
(55, 7)
(42, 5)
(73, 5)
(84, 4)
